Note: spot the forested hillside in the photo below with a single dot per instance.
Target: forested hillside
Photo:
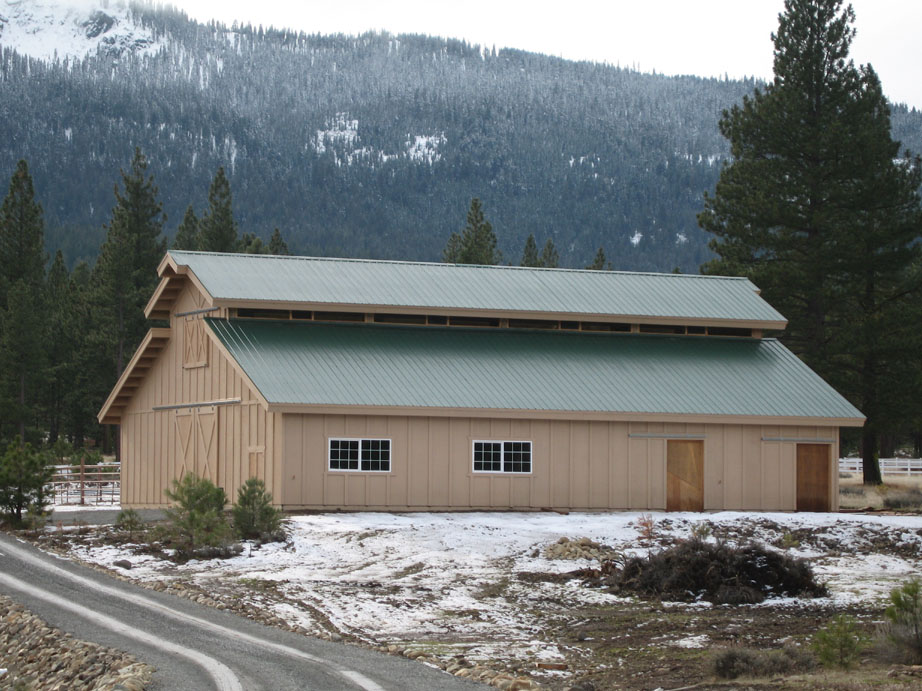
(374, 146)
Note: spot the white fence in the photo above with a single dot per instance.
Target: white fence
(86, 484)
(888, 466)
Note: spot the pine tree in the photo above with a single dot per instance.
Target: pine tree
(61, 337)
(549, 257)
(530, 253)
(476, 244)
(126, 272)
(92, 374)
(251, 244)
(22, 275)
(21, 357)
(187, 235)
(815, 209)
(22, 243)
(277, 245)
(599, 263)
(218, 230)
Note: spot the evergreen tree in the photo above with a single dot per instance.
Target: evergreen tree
(21, 357)
(251, 244)
(817, 211)
(600, 263)
(549, 257)
(92, 374)
(277, 245)
(24, 474)
(477, 242)
(22, 243)
(126, 273)
(61, 337)
(187, 235)
(218, 230)
(530, 253)
(22, 275)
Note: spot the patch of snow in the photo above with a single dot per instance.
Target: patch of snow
(69, 29)
(64, 508)
(341, 129)
(451, 576)
(700, 641)
(425, 147)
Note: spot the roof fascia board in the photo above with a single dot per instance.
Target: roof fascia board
(500, 314)
(176, 271)
(152, 334)
(614, 416)
(155, 298)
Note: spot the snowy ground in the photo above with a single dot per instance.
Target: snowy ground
(450, 581)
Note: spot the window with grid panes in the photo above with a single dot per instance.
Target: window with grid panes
(487, 456)
(372, 455)
(502, 456)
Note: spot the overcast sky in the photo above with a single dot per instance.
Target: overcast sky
(703, 37)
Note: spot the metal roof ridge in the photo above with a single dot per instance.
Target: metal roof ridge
(408, 262)
(432, 328)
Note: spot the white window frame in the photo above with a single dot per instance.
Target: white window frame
(502, 459)
(390, 460)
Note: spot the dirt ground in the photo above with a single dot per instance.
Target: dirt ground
(602, 641)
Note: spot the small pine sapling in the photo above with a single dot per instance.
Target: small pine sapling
(840, 643)
(904, 620)
(129, 521)
(197, 518)
(253, 513)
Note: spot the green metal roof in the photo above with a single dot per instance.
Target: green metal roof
(454, 286)
(510, 369)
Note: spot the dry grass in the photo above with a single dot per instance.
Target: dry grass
(854, 495)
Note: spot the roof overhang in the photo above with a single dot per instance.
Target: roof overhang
(602, 416)
(145, 356)
(173, 277)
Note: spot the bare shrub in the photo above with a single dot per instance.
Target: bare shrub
(731, 663)
(904, 499)
(719, 573)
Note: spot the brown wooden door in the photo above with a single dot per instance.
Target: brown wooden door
(813, 477)
(684, 475)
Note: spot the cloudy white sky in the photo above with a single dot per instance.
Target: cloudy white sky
(703, 37)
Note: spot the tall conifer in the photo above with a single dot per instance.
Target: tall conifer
(22, 241)
(530, 253)
(817, 209)
(218, 229)
(22, 314)
(476, 244)
(549, 257)
(126, 272)
(187, 234)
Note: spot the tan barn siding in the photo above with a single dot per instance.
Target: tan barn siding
(243, 436)
(575, 464)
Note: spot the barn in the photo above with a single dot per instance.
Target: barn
(394, 386)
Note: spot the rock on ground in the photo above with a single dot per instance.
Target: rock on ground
(35, 655)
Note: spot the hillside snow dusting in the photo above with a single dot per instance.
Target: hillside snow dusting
(75, 29)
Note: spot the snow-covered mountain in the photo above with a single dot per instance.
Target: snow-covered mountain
(47, 29)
